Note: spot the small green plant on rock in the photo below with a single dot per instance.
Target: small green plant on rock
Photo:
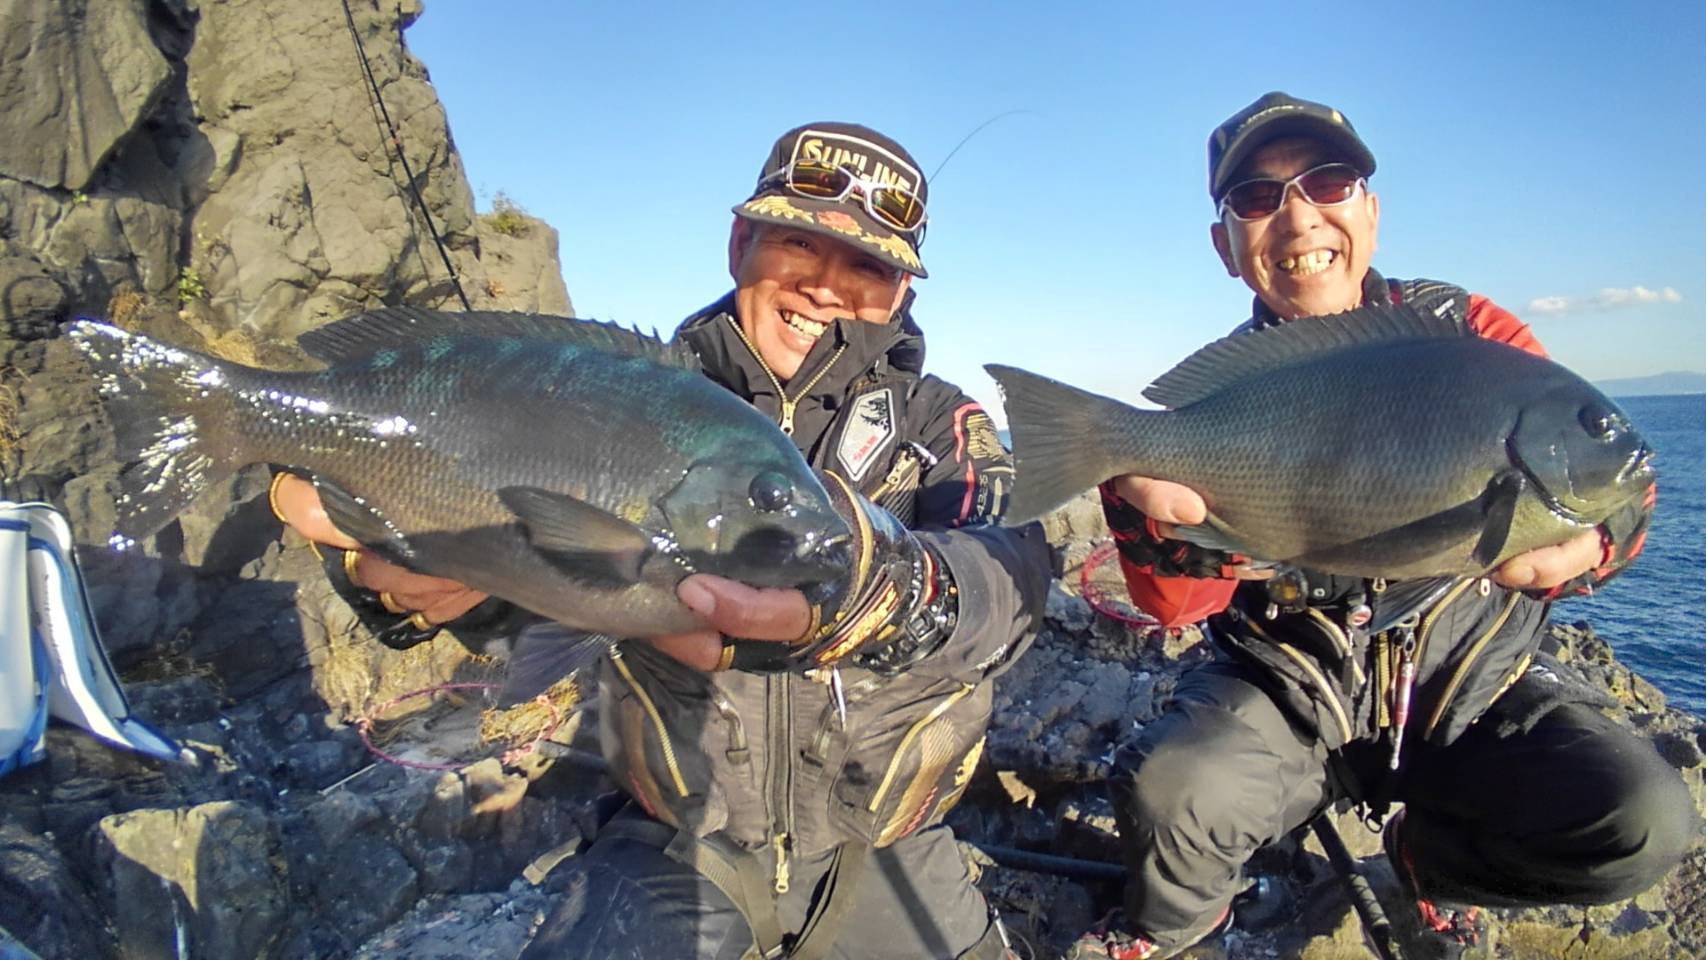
(507, 216)
(191, 286)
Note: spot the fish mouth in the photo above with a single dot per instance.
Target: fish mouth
(836, 551)
(1641, 462)
(780, 558)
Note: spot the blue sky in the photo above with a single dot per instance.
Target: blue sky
(1551, 156)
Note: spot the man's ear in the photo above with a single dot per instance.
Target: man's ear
(1223, 246)
(740, 237)
(1373, 208)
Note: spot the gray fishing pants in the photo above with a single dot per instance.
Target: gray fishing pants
(1575, 809)
(628, 900)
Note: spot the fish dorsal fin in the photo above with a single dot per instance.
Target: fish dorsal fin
(364, 334)
(1230, 359)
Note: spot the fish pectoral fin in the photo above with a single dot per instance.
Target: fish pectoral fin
(1500, 499)
(1441, 533)
(359, 519)
(543, 654)
(584, 541)
(1405, 597)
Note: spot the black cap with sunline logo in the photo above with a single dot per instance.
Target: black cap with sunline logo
(861, 150)
(1273, 116)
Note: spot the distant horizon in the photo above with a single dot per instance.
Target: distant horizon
(1670, 383)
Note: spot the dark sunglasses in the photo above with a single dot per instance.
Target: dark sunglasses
(1328, 185)
(893, 205)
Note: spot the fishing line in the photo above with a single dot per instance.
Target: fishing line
(965, 139)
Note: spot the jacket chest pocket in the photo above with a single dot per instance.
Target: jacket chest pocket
(892, 785)
(672, 743)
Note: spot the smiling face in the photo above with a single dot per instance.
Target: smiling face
(791, 285)
(1303, 260)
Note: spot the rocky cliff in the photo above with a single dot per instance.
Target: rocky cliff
(223, 175)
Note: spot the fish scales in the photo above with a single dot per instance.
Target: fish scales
(1380, 442)
(636, 472)
(1297, 475)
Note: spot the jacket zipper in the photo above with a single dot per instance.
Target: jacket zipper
(785, 419)
(1462, 671)
(1432, 617)
(776, 689)
(907, 459)
(657, 721)
(1341, 642)
(1382, 680)
(1410, 654)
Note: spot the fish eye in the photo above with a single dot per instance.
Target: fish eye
(1600, 422)
(771, 491)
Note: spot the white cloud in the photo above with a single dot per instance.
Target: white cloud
(1606, 299)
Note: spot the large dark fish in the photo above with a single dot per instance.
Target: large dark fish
(1383, 442)
(575, 468)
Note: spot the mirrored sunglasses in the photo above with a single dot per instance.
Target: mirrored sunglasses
(892, 205)
(1328, 185)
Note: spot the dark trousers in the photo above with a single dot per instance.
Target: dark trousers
(627, 900)
(1576, 809)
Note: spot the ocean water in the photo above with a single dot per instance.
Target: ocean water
(1654, 613)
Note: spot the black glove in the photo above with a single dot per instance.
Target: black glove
(1136, 540)
(898, 606)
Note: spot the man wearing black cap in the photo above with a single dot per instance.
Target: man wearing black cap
(786, 789)
(1329, 688)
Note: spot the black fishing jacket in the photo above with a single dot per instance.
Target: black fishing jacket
(1330, 654)
(770, 760)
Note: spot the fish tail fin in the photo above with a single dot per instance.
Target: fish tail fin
(1065, 440)
(165, 421)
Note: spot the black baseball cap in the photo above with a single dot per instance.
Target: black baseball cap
(1273, 116)
(861, 150)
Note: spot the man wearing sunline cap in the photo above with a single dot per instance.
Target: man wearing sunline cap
(1514, 791)
(787, 769)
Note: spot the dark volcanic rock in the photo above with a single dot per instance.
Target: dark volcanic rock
(205, 874)
(103, 52)
(41, 902)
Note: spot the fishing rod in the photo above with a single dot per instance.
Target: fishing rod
(397, 144)
(1374, 922)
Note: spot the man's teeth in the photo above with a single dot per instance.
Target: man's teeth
(804, 325)
(1305, 264)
